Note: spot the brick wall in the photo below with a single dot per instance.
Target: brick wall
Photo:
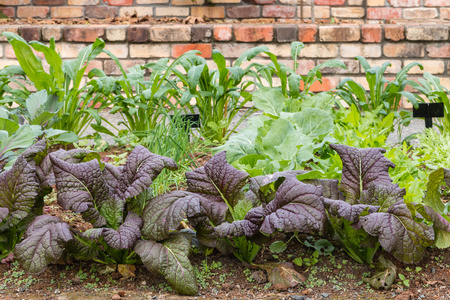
(396, 43)
(361, 11)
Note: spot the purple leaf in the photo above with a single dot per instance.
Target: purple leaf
(126, 236)
(3, 213)
(361, 167)
(382, 195)
(296, 207)
(248, 227)
(165, 212)
(141, 168)
(398, 233)
(349, 212)
(43, 243)
(330, 187)
(258, 183)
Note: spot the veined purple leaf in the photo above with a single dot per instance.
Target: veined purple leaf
(81, 188)
(165, 212)
(126, 235)
(382, 195)
(339, 208)
(438, 220)
(3, 213)
(259, 184)
(93, 233)
(217, 180)
(330, 187)
(398, 233)
(296, 207)
(248, 227)
(170, 259)
(141, 168)
(43, 243)
(361, 167)
(112, 176)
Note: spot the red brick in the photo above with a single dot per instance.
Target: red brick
(49, 2)
(262, 2)
(67, 12)
(278, 11)
(100, 12)
(83, 34)
(438, 50)
(437, 3)
(329, 2)
(30, 33)
(119, 2)
(328, 83)
(8, 11)
(137, 34)
(307, 33)
(243, 12)
(371, 33)
(253, 33)
(404, 3)
(384, 13)
(205, 49)
(404, 50)
(33, 12)
(394, 32)
(222, 33)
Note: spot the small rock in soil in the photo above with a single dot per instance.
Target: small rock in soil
(307, 292)
(121, 293)
(404, 296)
(297, 297)
(259, 277)
(226, 286)
(115, 297)
(325, 295)
(76, 280)
(57, 291)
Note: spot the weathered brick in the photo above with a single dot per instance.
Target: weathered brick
(329, 2)
(243, 12)
(83, 34)
(10, 12)
(404, 3)
(261, 2)
(427, 33)
(100, 12)
(116, 33)
(396, 65)
(375, 2)
(150, 50)
(286, 33)
(205, 49)
(438, 50)
(171, 11)
(384, 13)
(119, 2)
(33, 12)
(327, 84)
(320, 12)
(151, 1)
(367, 50)
(355, 2)
(348, 12)
(12, 29)
(394, 32)
(111, 68)
(46, 2)
(339, 33)
(371, 33)
(403, 50)
(430, 66)
(118, 49)
(83, 2)
(224, 1)
(137, 34)
(232, 50)
(211, 12)
(51, 31)
(420, 13)
(252, 33)
(351, 64)
(8, 62)
(278, 11)
(319, 51)
(279, 50)
(30, 33)
(188, 2)
(437, 3)
(307, 33)
(170, 33)
(294, 2)
(9, 52)
(304, 65)
(201, 33)
(69, 50)
(138, 11)
(94, 64)
(67, 12)
(445, 13)
(223, 33)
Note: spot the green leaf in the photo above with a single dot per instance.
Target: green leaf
(9, 126)
(22, 138)
(269, 100)
(102, 129)
(278, 247)
(53, 59)
(312, 122)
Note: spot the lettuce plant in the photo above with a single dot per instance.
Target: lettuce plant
(106, 196)
(21, 196)
(374, 212)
